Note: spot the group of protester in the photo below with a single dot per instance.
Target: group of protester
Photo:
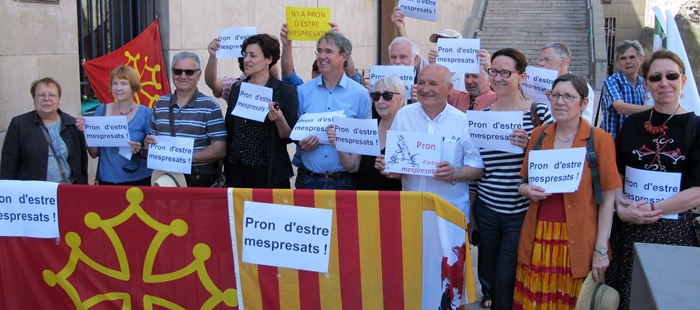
(536, 248)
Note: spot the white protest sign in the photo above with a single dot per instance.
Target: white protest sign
(28, 209)
(231, 43)
(125, 152)
(404, 73)
(652, 186)
(538, 82)
(314, 124)
(420, 9)
(491, 130)
(546, 169)
(253, 102)
(106, 131)
(172, 154)
(357, 136)
(287, 236)
(458, 55)
(412, 152)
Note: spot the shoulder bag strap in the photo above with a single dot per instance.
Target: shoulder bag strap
(593, 165)
(45, 131)
(538, 145)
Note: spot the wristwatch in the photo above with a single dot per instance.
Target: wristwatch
(602, 251)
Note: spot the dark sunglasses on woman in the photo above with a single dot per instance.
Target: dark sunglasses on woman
(386, 95)
(671, 76)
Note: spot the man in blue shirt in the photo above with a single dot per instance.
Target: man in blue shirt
(331, 91)
(624, 92)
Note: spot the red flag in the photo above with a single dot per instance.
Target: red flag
(144, 53)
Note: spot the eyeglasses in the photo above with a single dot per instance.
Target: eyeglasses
(504, 73)
(131, 167)
(188, 72)
(386, 95)
(672, 76)
(44, 96)
(567, 98)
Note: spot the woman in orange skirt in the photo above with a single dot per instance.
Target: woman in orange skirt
(565, 236)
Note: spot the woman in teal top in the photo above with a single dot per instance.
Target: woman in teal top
(113, 168)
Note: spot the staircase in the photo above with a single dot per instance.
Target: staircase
(529, 25)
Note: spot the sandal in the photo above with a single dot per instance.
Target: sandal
(485, 302)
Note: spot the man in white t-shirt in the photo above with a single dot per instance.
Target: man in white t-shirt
(557, 56)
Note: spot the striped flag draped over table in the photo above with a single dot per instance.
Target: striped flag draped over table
(389, 250)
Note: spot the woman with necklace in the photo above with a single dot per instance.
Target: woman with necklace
(113, 168)
(499, 209)
(661, 143)
(388, 96)
(44, 144)
(257, 151)
(565, 236)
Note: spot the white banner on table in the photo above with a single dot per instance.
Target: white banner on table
(28, 209)
(253, 102)
(287, 236)
(404, 73)
(557, 171)
(538, 82)
(652, 186)
(232, 39)
(491, 130)
(314, 124)
(412, 152)
(419, 9)
(458, 55)
(106, 131)
(172, 154)
(356, 136)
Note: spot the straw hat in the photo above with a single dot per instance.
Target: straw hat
(597, 296)
(445, 33)
(168, 179)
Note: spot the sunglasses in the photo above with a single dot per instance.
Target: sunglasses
(188, 72)
(669, 76)
(386, 95)
(131, 167)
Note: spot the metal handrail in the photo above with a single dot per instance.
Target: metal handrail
(591, 44)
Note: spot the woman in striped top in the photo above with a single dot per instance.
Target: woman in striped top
(499, 210)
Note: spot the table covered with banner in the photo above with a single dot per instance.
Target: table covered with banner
(186, 248)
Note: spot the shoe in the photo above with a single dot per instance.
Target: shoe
(485, 302)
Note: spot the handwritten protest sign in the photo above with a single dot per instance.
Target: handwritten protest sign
(253, 102)
(652, 186)
(458, 55)
(307, 24)
(557, 171)
(491, 130)
(106, 131)
(404, 73)
(357, 136)
(538, 82)
(412, 152)
(28, 209)
(314, 124)
(419, 9)
(287, 236)
(231, 43)
(172, 154)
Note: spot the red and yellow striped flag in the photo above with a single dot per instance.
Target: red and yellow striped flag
(382, 254)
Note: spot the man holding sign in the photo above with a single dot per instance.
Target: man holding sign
(189, 113)
(557, 56)
(460, 161)
(331, 91)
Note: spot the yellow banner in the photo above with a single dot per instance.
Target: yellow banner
(307, 24)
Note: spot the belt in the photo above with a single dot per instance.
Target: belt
(327, 176)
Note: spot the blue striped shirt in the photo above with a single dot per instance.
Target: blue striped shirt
(617, 87)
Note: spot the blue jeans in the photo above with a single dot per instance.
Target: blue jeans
(348, 182)
(498, 251)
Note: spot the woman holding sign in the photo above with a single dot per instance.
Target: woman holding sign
(113, 168)
(388, 96)
(565, 235)
(498, 208)
(658, 155)
(257, 151)
(44, 144)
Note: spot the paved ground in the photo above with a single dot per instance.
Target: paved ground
(477, 285)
